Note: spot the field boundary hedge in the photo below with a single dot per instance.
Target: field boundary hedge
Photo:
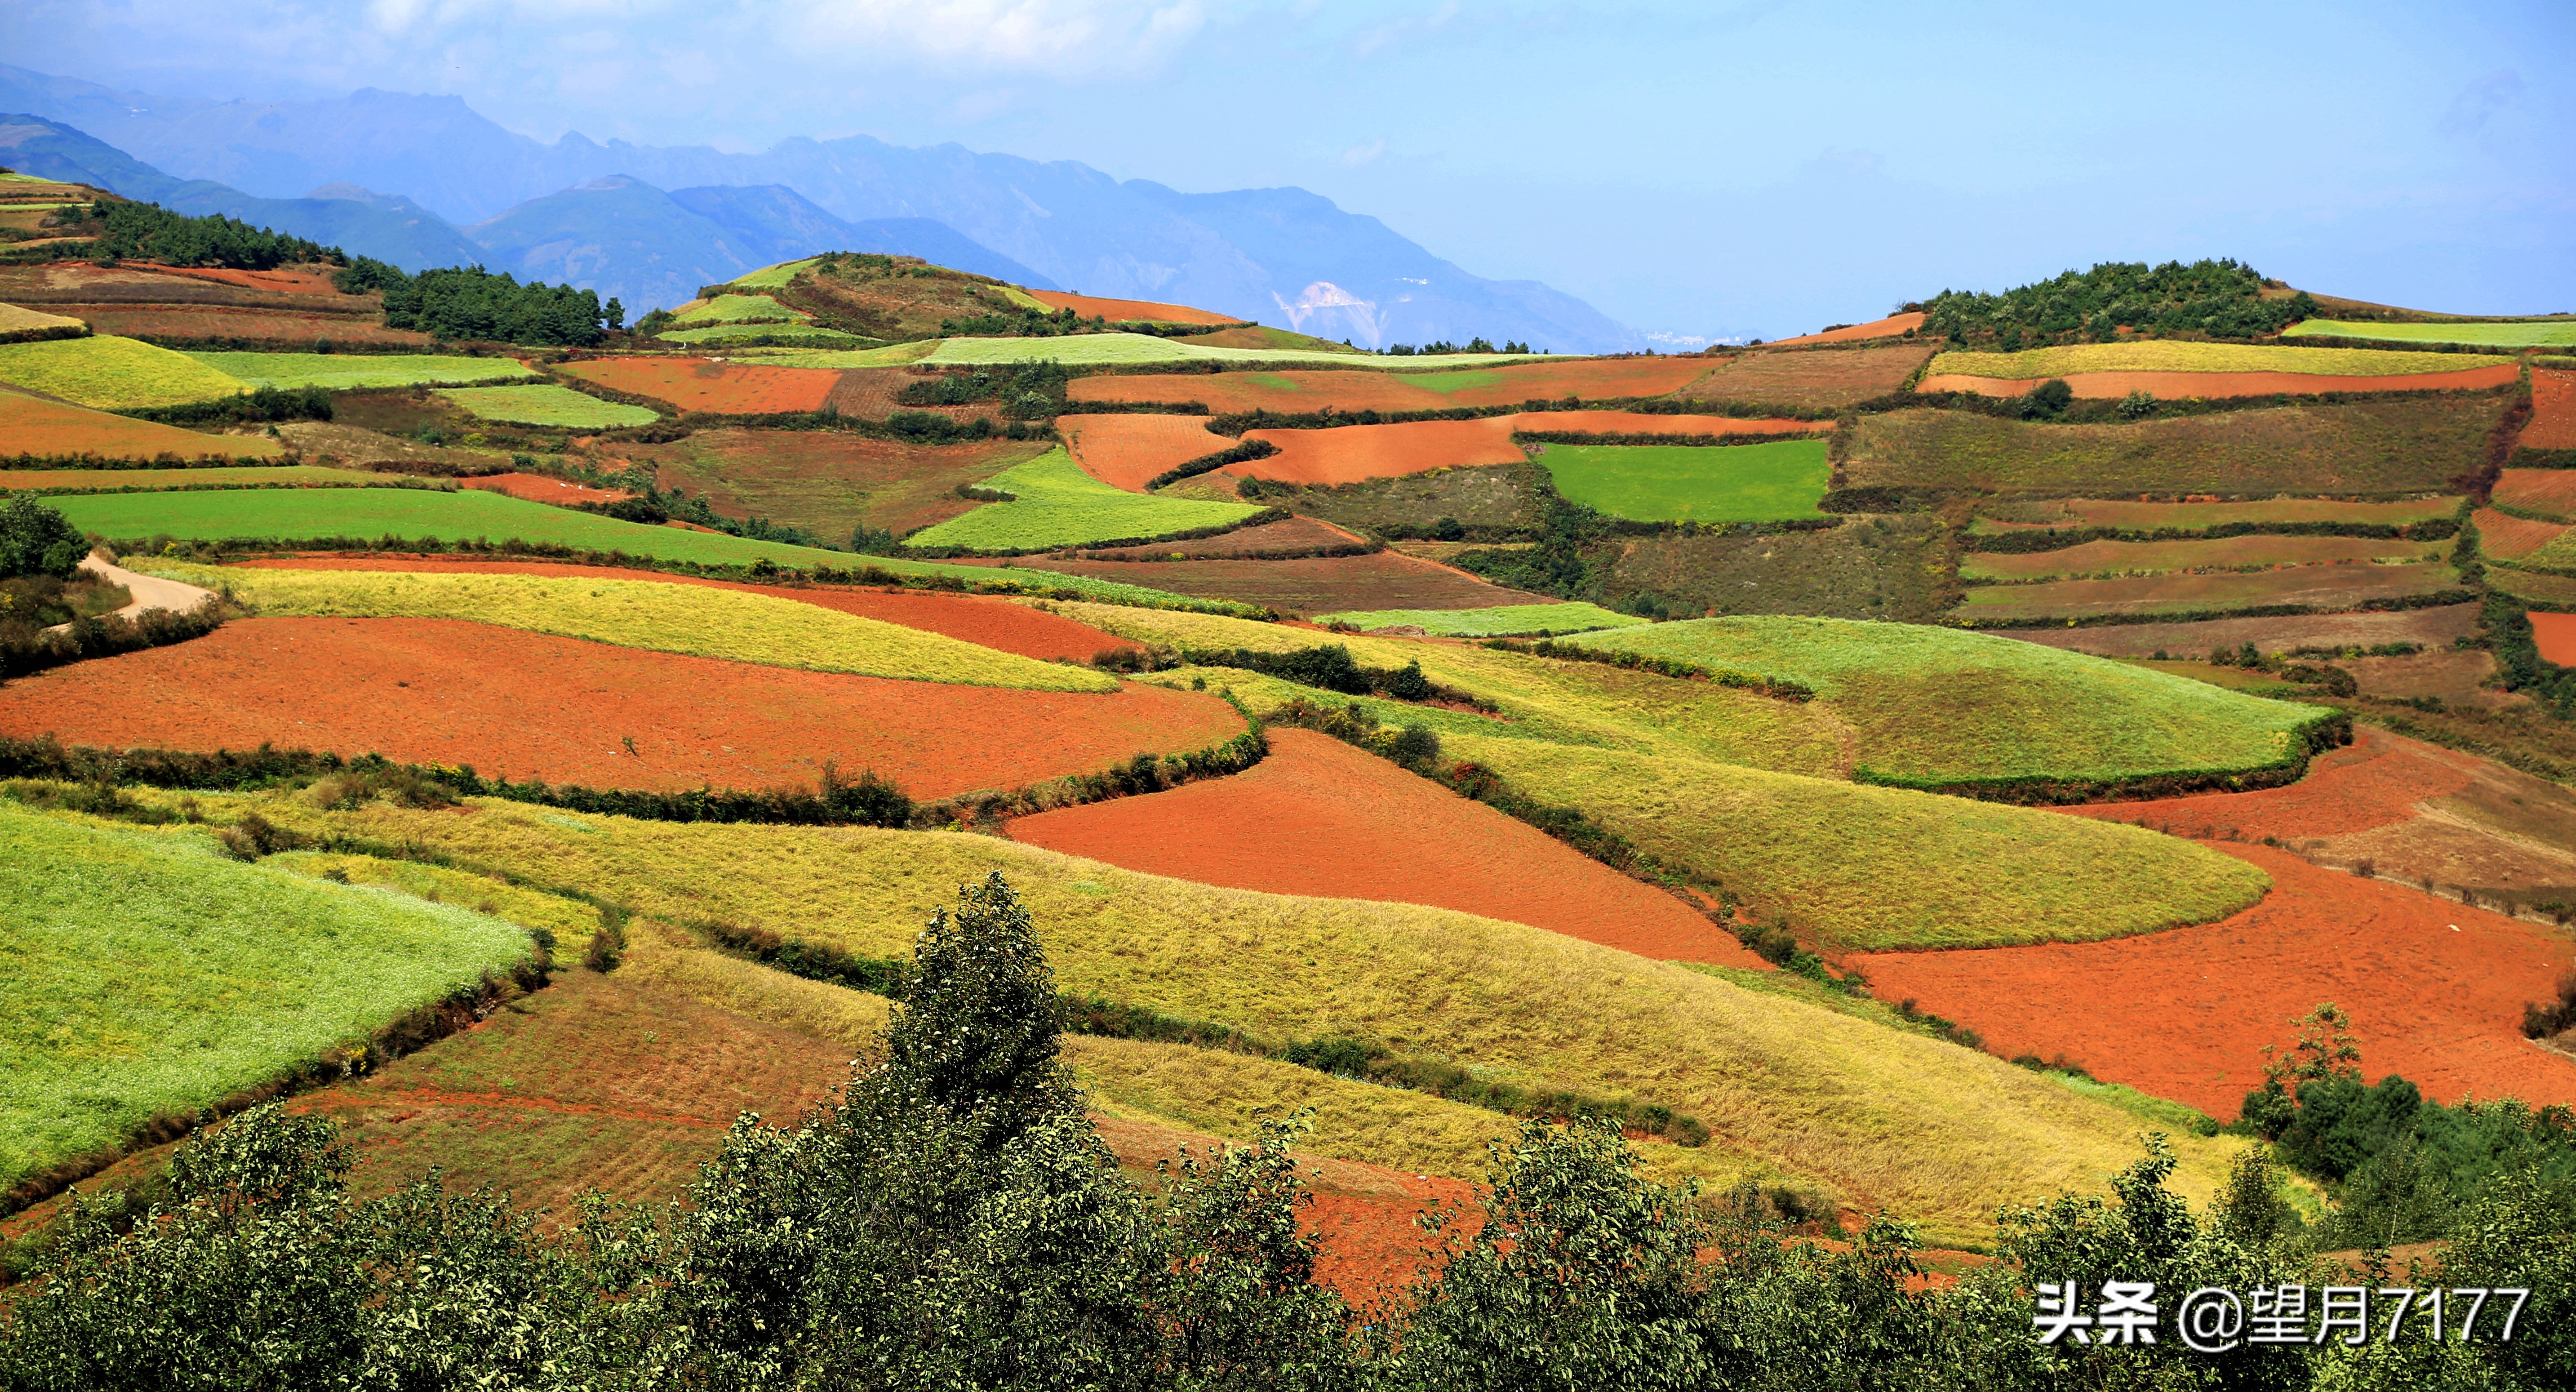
(425, 484)
(1243, 453)
(163, 460)
(2024, 543)
(2330, 728)
(106, 635)
(1237, 422)
(1637, 437)
(2393, 604)
(1362, 1060)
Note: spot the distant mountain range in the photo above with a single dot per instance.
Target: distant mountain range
(597, 215)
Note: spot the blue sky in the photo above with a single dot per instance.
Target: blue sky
(1694, 170)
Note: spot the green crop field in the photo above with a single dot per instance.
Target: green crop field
(2412, 445)
(2324, 588)
(244, 476)
(1111, 349)
(1060, 505)
(740, 309)
(726, 333)
(2544, 334)
(114, 374)
(361, 371)
(773, 277)
(2131, 515)
(1508, 620)
(1768, 482)
(148, 974)
(547, 404)
(2177, 355)
(728, 624)
(2111, 558)
(411, 514)
(891, 355)
(1936, 704)
(1938, 1133)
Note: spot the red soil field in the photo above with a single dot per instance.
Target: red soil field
(186, 321)
(1641, 423)
(1120, 310)
(698, 384)
(2435, 989)
(869, 393)
(1349, 453)
(2182, 385)
(531, 705)
(2375, 780)
(1319, 817)
(2555, 634)
(1342, 389)
(981, 619)
(2511, 538)
(828, 480)
(2551, 492)
(1293, 536)
(2553, 411)
(1828, 379)
(283, 282)
(32, 424)
(1313, 585)
(1889, 327)
(537, 488)
(1592, 379)
(1130, 451)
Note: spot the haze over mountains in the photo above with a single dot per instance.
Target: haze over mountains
(651, 224)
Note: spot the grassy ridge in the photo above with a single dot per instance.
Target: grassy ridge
(732, 625)
(1058, 504)
(741, 309)
(1921, 1127)
(2179, 355)
(773, 277)
(357, 372)
(114, 374)
(1119, 348)
(1926, 702)
(2543, 335)
(1694, 483)
(547, 404)
(147, 973)
(1505, 620)
(2402, 446)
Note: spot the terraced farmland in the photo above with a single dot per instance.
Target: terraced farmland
(113, 374)
(1054, 503)
(2120, 558)
(2326, 588)
(1684, 483)
(547, 404)
(2545, 333)
(362, 371)
(34, 425)
(722, 388)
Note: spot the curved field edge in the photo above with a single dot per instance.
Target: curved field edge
(1891, 1121)
(151, 975)
(1055, 502)
(701, 621)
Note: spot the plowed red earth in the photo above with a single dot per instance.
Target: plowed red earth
(2556, 636)
(1295, 393)
(2548, 491)
(2553, 411)
(1350, 453)
(1595, 379)
(537, 488)
(1312, 585)
(698, 384)
(1319, 817)
(1890, 327)
(284, 282)
(1642, 423)
(2510, 538)
(1130, 451)
(870, 393)
(1128, 310)
(994, 623)
(531, 705)
(2376, 780)
(41, 426)
(2435, 989)
(2211, 385)
(204, 321)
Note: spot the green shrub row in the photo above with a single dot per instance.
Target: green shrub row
(1332, 668)
(164, 460)
(2023, 543)
(1209, 463)
(106, 635)
(1779, 688)
(2391, 604)
(263, 405)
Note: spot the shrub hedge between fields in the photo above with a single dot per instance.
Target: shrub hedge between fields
(2023, 543)
(106, 635)
(2385, 605)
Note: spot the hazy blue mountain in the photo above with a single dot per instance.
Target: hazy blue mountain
(790, 226)
(388, 228)
(1281, 256)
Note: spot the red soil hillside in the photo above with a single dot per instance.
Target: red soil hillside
(1644, 423)
(2511, 538)
(1295, 393)
(538, 488)
(1312, 585)
(1319, 817)
(1593, 379)
(1130, 451)
(1893, 326)
(1349, 453)
(2553, 411)
(994, 623)
(724, 388)
(2435, 989)
(2549, 492)
(2556, 636)
(2211, 385)
(532, 705)
(1129, 310)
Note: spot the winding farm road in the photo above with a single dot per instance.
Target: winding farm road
(149, 591)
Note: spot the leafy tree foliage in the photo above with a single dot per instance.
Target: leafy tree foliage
(150, 232)
(37, 540)
(2219, 299)
(471, 303)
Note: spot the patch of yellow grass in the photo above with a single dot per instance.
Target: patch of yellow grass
(2178, 355)
(700, 620)
(569, 920)
(1880, 1119)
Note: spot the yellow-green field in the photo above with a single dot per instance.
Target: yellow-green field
(1880, 1118)
(700, 620)
(2177, 355)
(114, 374)
(243, 476)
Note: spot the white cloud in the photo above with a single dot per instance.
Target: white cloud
(1062, 37)
(1358, 155)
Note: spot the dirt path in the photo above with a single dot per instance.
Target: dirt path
(149, 591)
